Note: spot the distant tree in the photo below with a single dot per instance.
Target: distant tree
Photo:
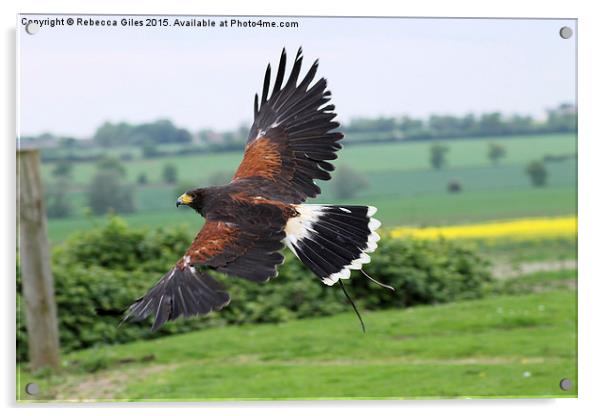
(469, 125)
(68, 142)
(57, 203)
(347, 182)
(492, 124)
(496, 152)
(110, 134)
(160, 131)
(538, 173)
(207, 136)
(412, 128)
(63, 169)
(454, 186)
(220, 178)
(107, 192)
(126, 156)
(562, 119)
(149, 151)
(111, 164)
(445, 126)
(520, 124)
(438, 152)
(170, 173)
(142, 179)
(380, 124)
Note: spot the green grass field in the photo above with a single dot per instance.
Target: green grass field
(365, 158)
(402, 185)
(433, 209)
(395, 184)
(503, 346)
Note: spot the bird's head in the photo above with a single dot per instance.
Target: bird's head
(192, 198)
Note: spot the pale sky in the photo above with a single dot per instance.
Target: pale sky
(72, 79)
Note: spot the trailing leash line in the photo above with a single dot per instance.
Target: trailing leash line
(353, 305)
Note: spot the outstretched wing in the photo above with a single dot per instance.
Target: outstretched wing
(249, 250)
(252, 253)
(291, 140)
(183, 291)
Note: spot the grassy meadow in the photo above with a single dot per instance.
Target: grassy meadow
(368, 158)
(402, 184)
(519, 343)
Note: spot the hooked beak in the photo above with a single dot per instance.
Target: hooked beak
(184, 199)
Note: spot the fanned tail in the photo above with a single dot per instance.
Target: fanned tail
(332, 240)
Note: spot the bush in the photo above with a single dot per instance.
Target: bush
(58, 204)
(111, 164)
(119, 247)
(537, 172)
(150, 151)
(63, 168)
(422, 272)
(438, 153)
(170, 173)
(142, 179)
(126, 157)
(495, 152)
(107, 193)
(99, 273)
(454, 186)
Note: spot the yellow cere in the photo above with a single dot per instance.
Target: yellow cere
(185, 199)
(519, 229)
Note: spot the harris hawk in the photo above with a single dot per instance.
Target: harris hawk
(249, 221)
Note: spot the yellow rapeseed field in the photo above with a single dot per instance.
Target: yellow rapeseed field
(519, 229)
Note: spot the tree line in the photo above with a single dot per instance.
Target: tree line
(150, 136)
(562, 119)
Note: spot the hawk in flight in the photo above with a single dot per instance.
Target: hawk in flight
(250, 220)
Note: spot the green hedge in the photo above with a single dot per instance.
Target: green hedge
(99, 273)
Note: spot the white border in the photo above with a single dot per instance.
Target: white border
(590, 151)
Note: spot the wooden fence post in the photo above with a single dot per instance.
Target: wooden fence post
(36, 275)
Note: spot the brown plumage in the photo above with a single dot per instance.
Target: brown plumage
(261, 159)
(213, 239)
(249, 220)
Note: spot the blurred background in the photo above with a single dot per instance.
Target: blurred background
(462, 132)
